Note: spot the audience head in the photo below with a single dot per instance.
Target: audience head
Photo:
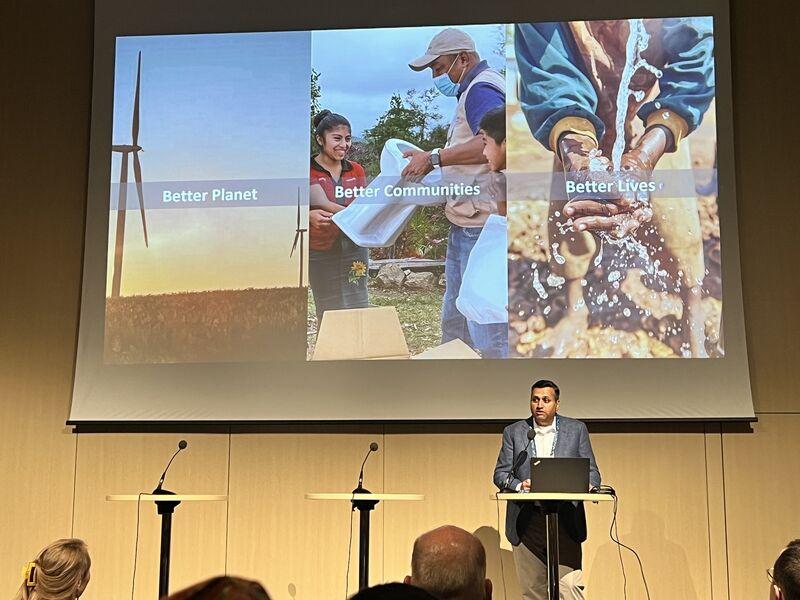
(786, 573)
(223, 588)
(450, 563)
(59, 572)
(393, 591)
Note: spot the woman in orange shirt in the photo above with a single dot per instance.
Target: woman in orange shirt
(337, 267)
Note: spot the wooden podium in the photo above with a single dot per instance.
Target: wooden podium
(165, 504)
(549, 503)
(364, 502)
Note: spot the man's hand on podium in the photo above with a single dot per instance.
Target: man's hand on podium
(526, 486)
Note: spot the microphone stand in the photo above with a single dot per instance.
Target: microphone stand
(165, 509)
(364, 508)
(518, 462)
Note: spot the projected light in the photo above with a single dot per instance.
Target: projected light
(523, 195)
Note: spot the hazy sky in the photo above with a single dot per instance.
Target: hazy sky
(226, 106)
(236, 106)
(207, 249)
(230, 106)
(360, 69)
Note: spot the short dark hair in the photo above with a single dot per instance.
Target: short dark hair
(393, 591)
(787, 571)
(545, 383)
(223, 588)
(493, 124)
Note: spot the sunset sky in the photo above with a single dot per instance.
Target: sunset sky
(213, 107)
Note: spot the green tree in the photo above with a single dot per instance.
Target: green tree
(500, 43)
(421, 103)
(316, 92)
(413, 118)
(437, 138)
(399, 121)
(316, 106)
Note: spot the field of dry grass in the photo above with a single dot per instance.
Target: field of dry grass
(213, 326)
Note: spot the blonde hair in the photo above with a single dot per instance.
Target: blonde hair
(58, 572)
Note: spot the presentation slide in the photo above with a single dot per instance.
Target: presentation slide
(282, 208)
(590, 231)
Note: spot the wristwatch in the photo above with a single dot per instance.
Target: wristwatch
(436, 161)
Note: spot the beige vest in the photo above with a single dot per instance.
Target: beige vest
(467, 211)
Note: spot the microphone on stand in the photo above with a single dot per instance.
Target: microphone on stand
(159, 490)
(519, 460)
(373, 447)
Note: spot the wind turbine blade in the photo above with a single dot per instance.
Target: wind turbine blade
(119, 238)
(135, 124)
(298, 208)
(137, 175)
(294, 245)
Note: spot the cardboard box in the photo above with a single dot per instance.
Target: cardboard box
(361, 334)
(454, 349)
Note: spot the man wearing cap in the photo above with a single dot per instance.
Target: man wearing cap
(458, 71)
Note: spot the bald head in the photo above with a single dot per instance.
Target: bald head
(450, 563)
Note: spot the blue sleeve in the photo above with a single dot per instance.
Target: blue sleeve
(552, 84)
(481, 98)
(687, 83)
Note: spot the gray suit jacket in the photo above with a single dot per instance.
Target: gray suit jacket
(573, 440)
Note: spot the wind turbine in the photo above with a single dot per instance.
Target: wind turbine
(298, 236)
(127, 149)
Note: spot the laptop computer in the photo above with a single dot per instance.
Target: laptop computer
(560, 475)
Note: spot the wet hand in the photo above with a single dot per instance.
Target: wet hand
(419, 165)
(620, 216)
(624, 216)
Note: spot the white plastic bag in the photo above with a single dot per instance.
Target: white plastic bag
(483, 296)
(376, 222)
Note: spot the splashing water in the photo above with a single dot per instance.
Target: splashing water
(616, 254)
(599, 258)
(558, 258)
(596, 162)
(638, 40)
(537, 285)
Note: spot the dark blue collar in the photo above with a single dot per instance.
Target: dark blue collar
(472, 74)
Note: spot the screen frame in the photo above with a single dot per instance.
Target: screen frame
(112, 20)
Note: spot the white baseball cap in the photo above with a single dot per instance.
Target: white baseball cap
(447, 41)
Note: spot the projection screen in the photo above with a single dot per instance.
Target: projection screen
(291, 222)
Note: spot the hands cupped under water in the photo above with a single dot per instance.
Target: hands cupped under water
(617, 213)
